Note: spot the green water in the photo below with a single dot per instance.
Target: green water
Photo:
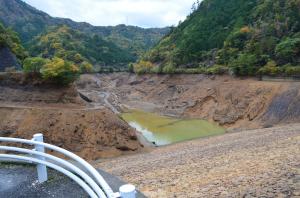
(166, 130)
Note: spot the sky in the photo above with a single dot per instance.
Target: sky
(143, 13)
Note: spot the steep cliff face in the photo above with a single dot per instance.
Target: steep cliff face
(8, 59)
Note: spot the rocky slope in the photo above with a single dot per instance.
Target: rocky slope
(232, 102)
(258, 163)
(8, 59)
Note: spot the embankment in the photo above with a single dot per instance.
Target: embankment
(90, 133)
(255, 163)
(232, 102)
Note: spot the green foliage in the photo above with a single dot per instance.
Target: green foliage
(131, 68)
(244, 65)
(157, 69)
(169, 69)
(288, 51)
(34, 64)
(72, 45)
(85, 67)
(10, 39)
(143, 67)
(199, 70)
(292, 70)
(60, 71)
(217, 69)
(238, 38)
(270, 69)
(55, 70)
(241, 35)
(205, 29)
(116, 44)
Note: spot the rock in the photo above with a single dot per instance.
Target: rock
(6, 133)
(8, 59)
(296, 193)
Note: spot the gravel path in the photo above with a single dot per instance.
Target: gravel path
(257, 163)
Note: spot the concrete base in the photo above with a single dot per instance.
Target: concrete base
(21, 181)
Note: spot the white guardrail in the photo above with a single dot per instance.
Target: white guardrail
(89, 178)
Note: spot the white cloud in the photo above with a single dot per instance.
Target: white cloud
(143, 13)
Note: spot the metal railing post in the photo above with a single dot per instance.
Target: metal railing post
(91, 183)
(41, 169)
(127, 191)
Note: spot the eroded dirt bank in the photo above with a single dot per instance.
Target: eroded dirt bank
(232, 102)
(90, 133)
(65, 120)
(93, 130)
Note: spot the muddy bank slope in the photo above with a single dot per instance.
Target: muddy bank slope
(232, 102)
(65, 120)
(90, 133)
(16, 88)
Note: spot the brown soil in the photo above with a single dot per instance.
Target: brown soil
(93, 131)
(257, 163)
(64, 119)
(17, 88)
(233, 103)
(90, 133)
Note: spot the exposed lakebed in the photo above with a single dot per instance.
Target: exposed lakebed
(163, 130)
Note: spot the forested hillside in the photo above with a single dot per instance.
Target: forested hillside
(75, 46)
(56, 62)
(29, 22)
(247, 37)
(10, 39)
(11, 50)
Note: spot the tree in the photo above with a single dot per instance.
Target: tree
(10, 39)
(242, 35)
(85, 67)
(34, 64)
(270, 69)
(288, 50)
(143, 67)
(131, 68)
(292, 71)
(60, 71)
(244, 65)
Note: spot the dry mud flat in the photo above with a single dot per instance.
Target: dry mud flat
(257, 163)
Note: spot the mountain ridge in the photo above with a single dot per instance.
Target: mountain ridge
(30, 22)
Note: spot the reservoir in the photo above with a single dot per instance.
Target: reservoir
(163, 130)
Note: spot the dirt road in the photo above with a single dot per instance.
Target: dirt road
(257, 163)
